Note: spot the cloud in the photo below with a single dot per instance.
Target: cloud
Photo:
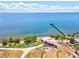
(35, 7)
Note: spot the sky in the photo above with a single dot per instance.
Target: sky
(39, 6)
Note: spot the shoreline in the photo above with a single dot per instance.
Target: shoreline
(47, 33)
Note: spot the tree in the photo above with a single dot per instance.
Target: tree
(17, 41)
(68, 35)
(51, 36)
(11, 40)
(73, 35)
(30, 39)
(57, 37)
(72, 40)
(77, 32)
(62, 38)
(27, 42)
(4, 42)
(34, 38)
(39, 41)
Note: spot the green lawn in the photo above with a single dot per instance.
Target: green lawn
(76, 46)
(19, 46)
(23, 45)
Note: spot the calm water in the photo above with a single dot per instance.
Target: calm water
(20, 24)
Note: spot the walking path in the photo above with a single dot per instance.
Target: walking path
(25, 50)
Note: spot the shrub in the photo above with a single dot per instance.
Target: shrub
(30, 39)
